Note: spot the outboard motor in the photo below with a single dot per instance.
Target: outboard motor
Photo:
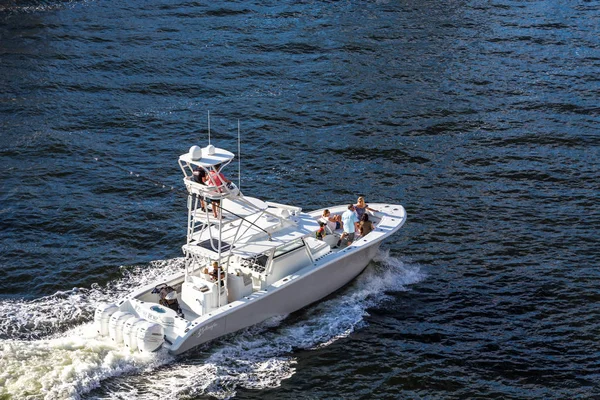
(150, 336)
(168, 298)
(130, 332)
(101, 317)
(115, 325)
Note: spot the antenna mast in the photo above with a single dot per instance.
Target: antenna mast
(239, 159)
(208, 126)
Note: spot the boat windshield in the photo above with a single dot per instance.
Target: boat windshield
(288, 247)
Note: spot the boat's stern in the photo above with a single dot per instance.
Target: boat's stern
(139, 325)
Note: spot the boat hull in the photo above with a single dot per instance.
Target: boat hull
(289, 296)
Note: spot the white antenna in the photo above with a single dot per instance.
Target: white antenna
(208, 126)
(239, 159)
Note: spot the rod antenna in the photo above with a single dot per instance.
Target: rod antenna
(239, 159)
(208, 126)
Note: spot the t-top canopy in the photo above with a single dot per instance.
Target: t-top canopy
(206, 156)
(255, 241)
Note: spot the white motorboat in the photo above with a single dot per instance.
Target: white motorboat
(269, 262)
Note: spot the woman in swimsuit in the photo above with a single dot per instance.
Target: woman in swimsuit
(361, 207)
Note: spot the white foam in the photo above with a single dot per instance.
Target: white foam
(259, 357)
(66, 367)
(33, 319)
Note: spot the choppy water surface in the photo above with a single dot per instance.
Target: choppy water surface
(481, 118)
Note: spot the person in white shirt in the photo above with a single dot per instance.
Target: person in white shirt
(350, 221)
(333, 221)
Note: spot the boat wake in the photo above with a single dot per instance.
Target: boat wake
(51, 315)
(49, 349)
(45, 357)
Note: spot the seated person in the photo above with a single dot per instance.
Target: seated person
(365, 226)
(361, 207)
(320, 233)
(333, 221)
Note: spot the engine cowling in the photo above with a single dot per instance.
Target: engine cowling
(115, 325)
(102, 317)
(130, 332)
(150, 336)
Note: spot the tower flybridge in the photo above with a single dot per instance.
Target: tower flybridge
(246, 260)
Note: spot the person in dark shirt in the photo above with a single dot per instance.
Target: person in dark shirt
(199, 176)
(365, 225)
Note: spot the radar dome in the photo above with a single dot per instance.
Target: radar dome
(210, 149)
(195, 153)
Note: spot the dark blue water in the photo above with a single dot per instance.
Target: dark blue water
(480, 117)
